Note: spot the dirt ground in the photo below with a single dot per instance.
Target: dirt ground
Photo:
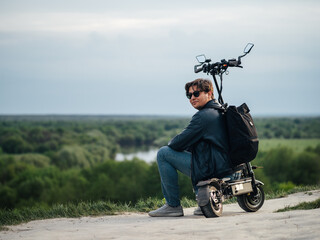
(233, 224)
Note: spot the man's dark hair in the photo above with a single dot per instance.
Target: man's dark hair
(204, 85)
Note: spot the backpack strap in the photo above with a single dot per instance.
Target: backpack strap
(220, 107)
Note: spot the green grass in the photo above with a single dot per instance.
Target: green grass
(297, 144)
(73, 210)
(100, 208)
(296, 189)
(19, 215)
(302, 206)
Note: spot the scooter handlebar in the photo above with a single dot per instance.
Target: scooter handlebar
(204, 67)
(234, 63)
(198, 68)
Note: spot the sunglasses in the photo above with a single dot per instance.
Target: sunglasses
(195, 93)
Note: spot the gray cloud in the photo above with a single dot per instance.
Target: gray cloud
(129, 57)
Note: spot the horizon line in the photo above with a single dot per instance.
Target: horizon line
(138, 115)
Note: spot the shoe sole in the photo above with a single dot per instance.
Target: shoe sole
(198, 214)
(167, 215)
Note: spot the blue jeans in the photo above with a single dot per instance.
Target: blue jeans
(169, 161)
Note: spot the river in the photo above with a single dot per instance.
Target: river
(148, 156)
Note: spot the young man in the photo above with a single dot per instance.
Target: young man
(199, 151)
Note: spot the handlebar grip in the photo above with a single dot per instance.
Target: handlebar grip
(233, 63)
(198, 68)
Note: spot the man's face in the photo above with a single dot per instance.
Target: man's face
(199, 102)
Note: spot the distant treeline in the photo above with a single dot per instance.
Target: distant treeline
(288, 127)
(52, 159)
(47, 134)
(93, 138)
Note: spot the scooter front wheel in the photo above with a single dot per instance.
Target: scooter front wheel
(252, 202)
(214, 207)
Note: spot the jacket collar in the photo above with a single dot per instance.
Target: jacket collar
(212, 104)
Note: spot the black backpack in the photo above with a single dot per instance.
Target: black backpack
(242, 134)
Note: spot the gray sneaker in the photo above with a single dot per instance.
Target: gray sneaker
(167, 211)
(197, 211)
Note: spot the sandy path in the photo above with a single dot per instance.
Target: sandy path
(234, 224)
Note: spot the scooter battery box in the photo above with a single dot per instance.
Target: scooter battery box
(241, 187)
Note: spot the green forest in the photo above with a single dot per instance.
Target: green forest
(46, 160)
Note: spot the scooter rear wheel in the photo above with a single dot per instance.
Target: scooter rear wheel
(214, 207)
(250, 202)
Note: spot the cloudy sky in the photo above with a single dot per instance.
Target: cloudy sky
(134, 57)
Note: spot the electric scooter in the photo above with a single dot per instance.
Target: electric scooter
(246, 188)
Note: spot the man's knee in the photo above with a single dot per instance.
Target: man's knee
(162, 153)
